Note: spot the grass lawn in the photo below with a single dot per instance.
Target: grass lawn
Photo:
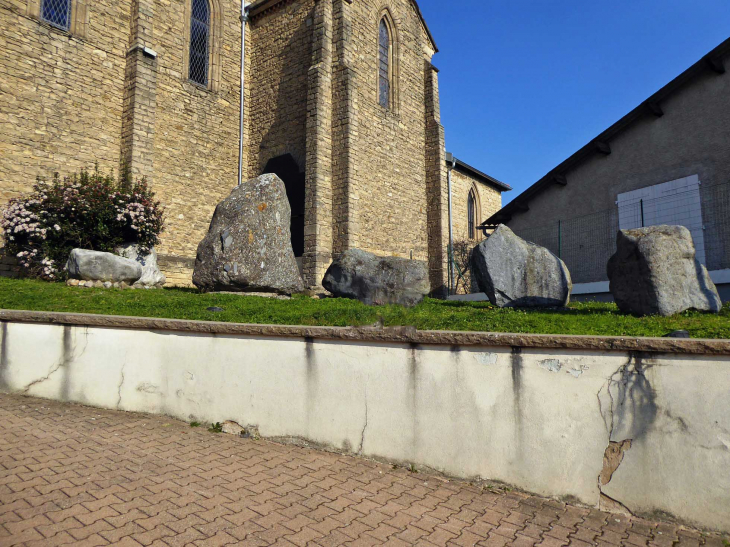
(579, 318)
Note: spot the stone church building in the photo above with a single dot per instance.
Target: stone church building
(340, 99)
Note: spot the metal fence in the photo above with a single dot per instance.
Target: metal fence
(585, 243)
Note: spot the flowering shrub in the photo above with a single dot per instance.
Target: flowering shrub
(86, 210)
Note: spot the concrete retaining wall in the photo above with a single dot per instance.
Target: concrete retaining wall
(538, 412)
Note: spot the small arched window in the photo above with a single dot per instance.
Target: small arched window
(471, 211)
(57, 13)
(199, 42)
(384, 64)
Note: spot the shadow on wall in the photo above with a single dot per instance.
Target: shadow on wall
(287, 170)
(282, 149)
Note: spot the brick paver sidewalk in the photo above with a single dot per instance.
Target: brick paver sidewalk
(76, 475)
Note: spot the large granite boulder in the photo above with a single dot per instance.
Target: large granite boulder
(377, 280)
(516, 273)
(248, 245)
(655, 272)
(151, 277)
(99, 266)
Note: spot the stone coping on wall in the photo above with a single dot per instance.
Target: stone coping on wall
(397, 335)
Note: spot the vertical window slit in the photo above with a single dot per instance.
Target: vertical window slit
(199, 41)
(384, 65)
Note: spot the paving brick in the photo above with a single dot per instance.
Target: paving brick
(155, 483)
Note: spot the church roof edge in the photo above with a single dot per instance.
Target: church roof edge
(260, 6)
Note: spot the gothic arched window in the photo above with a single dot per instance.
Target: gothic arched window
(57, 13)
(199, 42)
(384, 64)
(471, 211)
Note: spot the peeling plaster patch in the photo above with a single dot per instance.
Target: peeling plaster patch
(576, 372)
(552, 365)
(146, 387)
(724, 441)
(487, 358)
(612, 458)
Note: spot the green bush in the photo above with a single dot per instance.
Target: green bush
(87, 210)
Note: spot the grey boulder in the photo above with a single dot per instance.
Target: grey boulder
(377, 280)
(99, 266)
(248, 245)
(655, 272)
(516, 273)
(151, 275)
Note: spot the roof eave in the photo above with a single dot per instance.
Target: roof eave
(650, 106)
(483, 177)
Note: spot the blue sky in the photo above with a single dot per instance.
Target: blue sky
(525, 83)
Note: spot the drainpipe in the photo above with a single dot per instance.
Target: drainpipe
(450, 164)
(244, 18)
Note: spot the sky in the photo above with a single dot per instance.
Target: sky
(526, 83)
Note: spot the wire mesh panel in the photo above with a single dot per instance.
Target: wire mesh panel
(716, 216)
(199, 38)
(57, 13)
(586, 243)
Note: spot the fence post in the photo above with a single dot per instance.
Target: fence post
(641, 203)
(560, 239)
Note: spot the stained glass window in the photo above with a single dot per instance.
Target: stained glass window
(384, 65)
(199, 39)
(57, 13)
(471, 207)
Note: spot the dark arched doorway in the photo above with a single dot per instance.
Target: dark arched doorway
(287, 170)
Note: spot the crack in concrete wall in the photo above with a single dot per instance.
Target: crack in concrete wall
(628, 413)
(365, 426)
(4, 364)
(119, 387)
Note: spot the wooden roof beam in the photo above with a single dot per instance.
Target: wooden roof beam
(715, 64)
(654, 108)
(602, 147)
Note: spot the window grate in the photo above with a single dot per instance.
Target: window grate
(57, 13)
(199, 38)
(384, 65)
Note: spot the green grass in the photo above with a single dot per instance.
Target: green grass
(579, 318)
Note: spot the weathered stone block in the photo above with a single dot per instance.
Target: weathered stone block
(99, 266)
(655, 272)
(248, 246)
(377, 280)
(517, 273)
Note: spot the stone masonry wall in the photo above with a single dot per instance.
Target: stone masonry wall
(388, 185)
(61, 94)
(279, 57)
(489, 201)
(67, 100)
(196, 129)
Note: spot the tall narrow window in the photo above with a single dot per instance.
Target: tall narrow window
(471, 210)
(384, 65)
(199, 41)
(57, 13)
